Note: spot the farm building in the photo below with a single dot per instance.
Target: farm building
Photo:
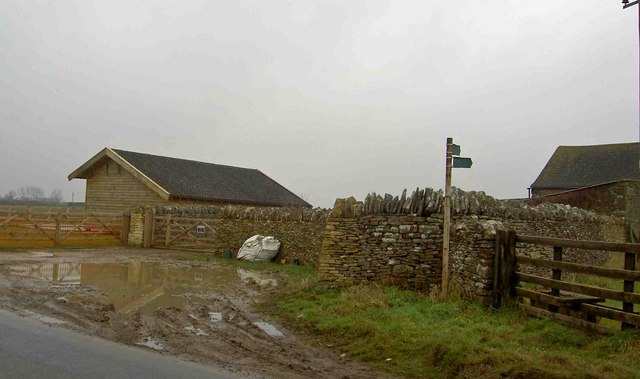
(601, 178)
(119, 180)
(576, 167)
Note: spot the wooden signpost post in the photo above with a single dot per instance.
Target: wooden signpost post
(451, 162)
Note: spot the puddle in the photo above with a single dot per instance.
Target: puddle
(196, 331)
(45, 319)
(57, 273)
(42, 254)
(253, 277)
(215, 316)
(269, 329)
(146, 286)
(151, 343)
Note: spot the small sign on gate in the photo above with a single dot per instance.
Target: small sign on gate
(200, 229)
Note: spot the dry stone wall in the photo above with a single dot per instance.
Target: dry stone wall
(401, 250)
(299, 230)
(398, 240)
(472, 251)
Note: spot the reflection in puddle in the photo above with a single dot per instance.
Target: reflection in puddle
(215, 316)
(197, 331)
(151, 343)
(249, 276)
(147, 286)
(42, 254)
(59, 273)
(45, 319)
(269, 329)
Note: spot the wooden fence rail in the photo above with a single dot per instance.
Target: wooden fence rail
(36, 227)
(567, 298)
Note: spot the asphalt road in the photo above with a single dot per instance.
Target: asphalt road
(31, 349)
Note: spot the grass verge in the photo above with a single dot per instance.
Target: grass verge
(413, 335)
(416, 336)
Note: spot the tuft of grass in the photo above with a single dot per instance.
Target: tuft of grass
(418, 336)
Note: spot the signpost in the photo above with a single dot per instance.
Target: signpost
(451, 162)
(460, 162)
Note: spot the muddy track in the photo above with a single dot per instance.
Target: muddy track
(203, 312)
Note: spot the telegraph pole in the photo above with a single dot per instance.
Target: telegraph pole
(626, 4)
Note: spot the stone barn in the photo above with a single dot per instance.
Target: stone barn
(578, 167)
(600, 178)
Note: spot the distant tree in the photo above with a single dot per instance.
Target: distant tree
(11, 195)
(31, 193)
(55, 196)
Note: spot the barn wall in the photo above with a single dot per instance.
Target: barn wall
(632, 197)
(607, 198)
(120, 191)
(117, 191)
(547, 192)
(621, 199)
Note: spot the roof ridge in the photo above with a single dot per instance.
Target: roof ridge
(183, 159)
(602, 145)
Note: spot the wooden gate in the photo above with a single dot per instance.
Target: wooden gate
(183, 233)
(42, 227)
(567, 292)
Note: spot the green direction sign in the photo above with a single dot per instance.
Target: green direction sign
(455, 149)
(460, 162)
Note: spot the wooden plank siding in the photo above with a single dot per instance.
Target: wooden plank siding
(117, 190)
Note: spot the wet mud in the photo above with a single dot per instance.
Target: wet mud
(155, 299)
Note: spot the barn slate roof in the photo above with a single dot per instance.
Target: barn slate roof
(573, 167)
(200, 181)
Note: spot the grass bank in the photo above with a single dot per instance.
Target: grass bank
(412, 335)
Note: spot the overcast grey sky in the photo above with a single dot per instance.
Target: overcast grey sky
(329, 98)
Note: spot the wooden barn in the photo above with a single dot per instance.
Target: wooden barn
(119, 180)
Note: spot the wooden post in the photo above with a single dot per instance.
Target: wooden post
(508, 270)
(126, 227)
(56, 242)
(167, 234)
(447, 219)
(148, 228)
(629, 264)
(497, 259)
(556, 275)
